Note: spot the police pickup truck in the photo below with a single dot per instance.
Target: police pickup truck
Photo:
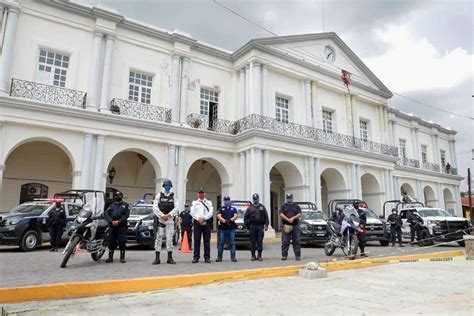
(242, 234)
(313, 224)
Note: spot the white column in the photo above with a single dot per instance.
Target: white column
(433, 147)
(94, 72)
(242, 176)
(8, 49)
(242, 93)
(307, 102)
(457, 198)
(353, 181)
(419, 188)
(437, 156)
(266, 181)
(265, 106)
(318, 111)
(311, 180)
(396, 187)
(386, 184)
(86, 181)
(99, 163)
(452, 150)
(248, 173)
(414, 140)
(391, 185)
(317, 183)
(174, 93)
(183, 112)
(258, 169)
(247, 90)
(106, 74)
(440, 196)
(393, 140)
(2, 170)
(181, 181)
(171, 171)
(359, 183)
(256, 88)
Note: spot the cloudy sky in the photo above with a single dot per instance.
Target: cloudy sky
(421, 49)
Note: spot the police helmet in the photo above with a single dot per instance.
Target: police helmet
(289, 196)
(255, 196)
(167, 182)
(226, 198)
(118, 195)
(186, 204)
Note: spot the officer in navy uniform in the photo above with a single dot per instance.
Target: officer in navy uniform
(186, 224)
(396, 224)
(256, 221)
(56, 223)
(362, 224)
(290, 214)
(165, 207)
(117, 215)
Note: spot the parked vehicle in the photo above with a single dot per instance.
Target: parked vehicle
(26, 226)
(313, 224)
(242, 234)
(343, 237)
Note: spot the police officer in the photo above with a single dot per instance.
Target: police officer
(117, 215)
(226, 215)
(290, 214)
(415, 222)
(165, 207)
(256, 221)
(202, 212)
(56, 223)
(362, 224)
(396, 224)
(186, 222)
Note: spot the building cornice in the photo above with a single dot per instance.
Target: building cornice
(420, 121)
(429, 173)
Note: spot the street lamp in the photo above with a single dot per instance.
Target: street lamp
(112, 174)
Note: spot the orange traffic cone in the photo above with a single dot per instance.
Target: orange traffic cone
(185, 244)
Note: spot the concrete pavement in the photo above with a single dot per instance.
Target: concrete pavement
(423, 288)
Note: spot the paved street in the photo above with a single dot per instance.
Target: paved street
(41, 267)
(400, 289)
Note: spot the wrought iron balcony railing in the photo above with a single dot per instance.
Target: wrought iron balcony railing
(219, 126)
(140, 110)
(408, 162)
(48, 94)
(451, 170)
(430, 166)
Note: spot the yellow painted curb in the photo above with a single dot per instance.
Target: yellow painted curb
(107, 287)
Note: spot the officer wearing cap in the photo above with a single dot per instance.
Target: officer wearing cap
(117, 215)
(396, 224)
(362, 223)
(256, 221)
(202, 212)
(226, 216)
(56, 223)
(186, 222)
(165, 207)
(290, 214)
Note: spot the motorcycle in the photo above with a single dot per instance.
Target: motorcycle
(86, 233)
(347, 241)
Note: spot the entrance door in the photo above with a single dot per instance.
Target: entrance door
(212, 114)
(274, 211)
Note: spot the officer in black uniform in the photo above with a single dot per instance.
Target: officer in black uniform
(415, 222)
(290, 214)
(256, 221)
(396, 224)
(186, 224)
(56, 223)
(117, 215)
(362, 224)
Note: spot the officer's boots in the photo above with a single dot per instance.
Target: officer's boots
(170, 258)
(111, 257)
(157, 258)
(253, 256)
(122, 256)
(259, 258)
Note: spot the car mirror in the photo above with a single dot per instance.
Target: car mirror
(381, 217)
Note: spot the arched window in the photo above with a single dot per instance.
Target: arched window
(31, 191)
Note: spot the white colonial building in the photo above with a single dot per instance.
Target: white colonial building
(92, 99)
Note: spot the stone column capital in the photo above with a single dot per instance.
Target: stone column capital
(98, 33)
(13, 9)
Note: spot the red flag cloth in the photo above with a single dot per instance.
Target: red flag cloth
(346, 78)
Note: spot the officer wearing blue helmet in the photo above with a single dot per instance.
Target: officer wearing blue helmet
(256, 221)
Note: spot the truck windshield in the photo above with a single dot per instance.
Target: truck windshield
(433, 212)
(241, 209)
(141, 210)
(309, 215)
(31, 208)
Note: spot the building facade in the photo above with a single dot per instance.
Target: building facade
(93, 100)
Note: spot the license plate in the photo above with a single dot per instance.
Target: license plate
(320, 234)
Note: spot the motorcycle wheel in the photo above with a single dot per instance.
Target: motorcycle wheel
(329, 249)
(353, 247)
(99, 254)
(72, 246)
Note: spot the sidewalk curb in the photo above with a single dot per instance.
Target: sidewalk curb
(107, 287)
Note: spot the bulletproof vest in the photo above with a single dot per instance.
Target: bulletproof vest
(257, 216)
(166, 203)
(56, 217)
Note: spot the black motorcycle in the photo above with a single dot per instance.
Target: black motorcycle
(347, 241)
(86, 233)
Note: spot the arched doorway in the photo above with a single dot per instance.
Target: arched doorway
(284, 178)
(134, 175)
(371, 193)
(39, 169)
(449, 201)
(209, 174)
(429, 197)
(333, 187)
(408, 189)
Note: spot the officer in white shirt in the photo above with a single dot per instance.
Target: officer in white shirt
(202, 212)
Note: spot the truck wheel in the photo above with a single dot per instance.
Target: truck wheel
(29, 241)
(329, 249)
(384, 243)
(425, 237)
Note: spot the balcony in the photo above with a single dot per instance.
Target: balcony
(408, 162)
(430, 166)
(140, 111)
(48, 94)
(413, 163)
(268, 124)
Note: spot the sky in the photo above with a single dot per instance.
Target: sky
(421, 49)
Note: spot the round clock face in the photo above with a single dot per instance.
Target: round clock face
(329, 54)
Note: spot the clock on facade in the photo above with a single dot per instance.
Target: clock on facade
(329, 54)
